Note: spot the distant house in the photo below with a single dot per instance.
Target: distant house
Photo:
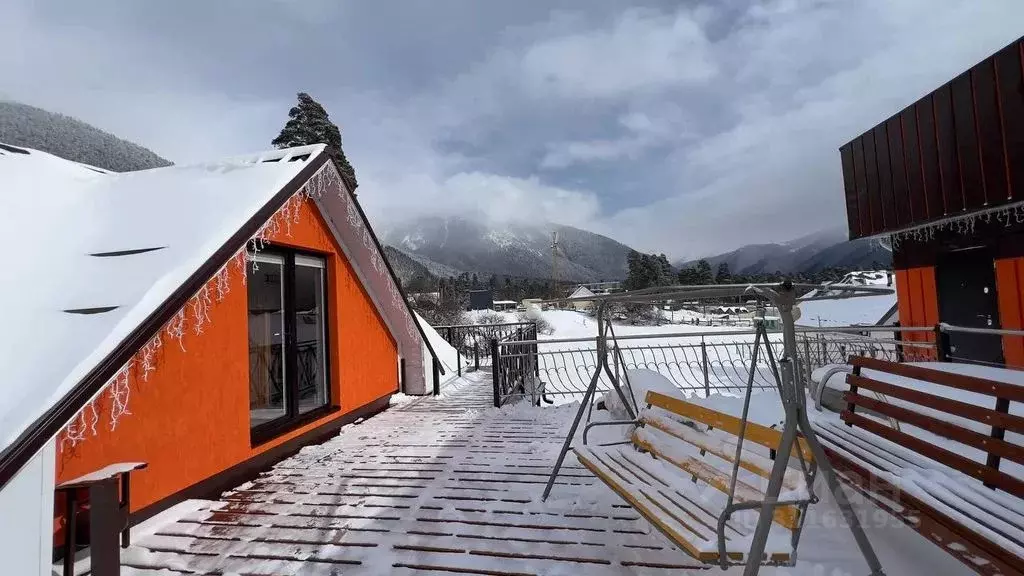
(729, 310)
(578, 299)
(504, 305)
(207, 320)
(481, 299)
(940, 183)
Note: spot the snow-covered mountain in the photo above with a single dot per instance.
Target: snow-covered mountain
(72, 139)
(810, 253)
(451, 245)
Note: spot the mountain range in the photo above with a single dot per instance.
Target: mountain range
(454, 244)
(811, 253)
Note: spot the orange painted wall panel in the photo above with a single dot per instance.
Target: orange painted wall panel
(190, 418)
(1009, 280)
(918, 306)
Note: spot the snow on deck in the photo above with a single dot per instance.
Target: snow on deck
(450, 485)
(433, 484)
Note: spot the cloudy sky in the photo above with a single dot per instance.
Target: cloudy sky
(680, 127)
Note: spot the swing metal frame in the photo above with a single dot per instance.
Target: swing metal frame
(792, 392)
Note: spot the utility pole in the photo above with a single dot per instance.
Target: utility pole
(554, 264)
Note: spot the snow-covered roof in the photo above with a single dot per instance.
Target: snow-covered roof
(581, 292)
(91, 255)
(864, 310)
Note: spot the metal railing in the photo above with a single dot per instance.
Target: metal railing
(706, 362)
(696, 362)
(472, 341)
(514, 369)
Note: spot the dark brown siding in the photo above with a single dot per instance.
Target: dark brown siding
(990, 132)
(967, 142)
(915, 174)
(860, 179)
(874, 192)
(957, 150)
(850, 189)
(930, 158)
(1011, 100)
(900, 190)
(949, 164)
(885, 177)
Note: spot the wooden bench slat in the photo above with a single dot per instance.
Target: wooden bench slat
(982, 472)
(951, 379)
(986, 416)
(757, 433)
(959, 434)
(991, 504)
(929, 522)
(700, 509)
(672, 530)
(723, 448)
(786, 515)
(681, 515)
(663, 513)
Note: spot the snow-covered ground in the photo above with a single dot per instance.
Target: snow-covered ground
(449, 483)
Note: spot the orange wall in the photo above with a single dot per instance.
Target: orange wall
(918, 306)
(1009, 283)
(190, 420)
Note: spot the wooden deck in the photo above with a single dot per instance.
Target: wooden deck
(436, 486)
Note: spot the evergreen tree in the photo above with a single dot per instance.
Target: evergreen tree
(703, 272)
(723, 276)
(688, 276)
(308, 123)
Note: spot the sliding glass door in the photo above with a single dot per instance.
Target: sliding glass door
(288, 368)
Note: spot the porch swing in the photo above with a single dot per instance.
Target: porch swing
(661, 469)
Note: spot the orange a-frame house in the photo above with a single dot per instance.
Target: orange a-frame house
(205, 320)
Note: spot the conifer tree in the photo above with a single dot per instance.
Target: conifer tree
(308, 123)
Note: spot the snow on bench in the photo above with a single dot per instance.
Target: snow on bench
(683, 494)
(927, 448)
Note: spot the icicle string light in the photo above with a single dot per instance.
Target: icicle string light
(964, 224)
(120, 390)
(196, 310)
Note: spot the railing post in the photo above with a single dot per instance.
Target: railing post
(105, 524)
(615, 362)
(851, 407)
(476, 355)
(897, 335)
(70, 532)
(535, 350)
(704, 366)
(495, 372)
(807, 359)
(942, 345)
(1002, 406)
(437, 376)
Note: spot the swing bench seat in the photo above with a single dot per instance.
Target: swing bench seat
(683, 496)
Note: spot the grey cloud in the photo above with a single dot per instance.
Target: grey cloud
(679, 128)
